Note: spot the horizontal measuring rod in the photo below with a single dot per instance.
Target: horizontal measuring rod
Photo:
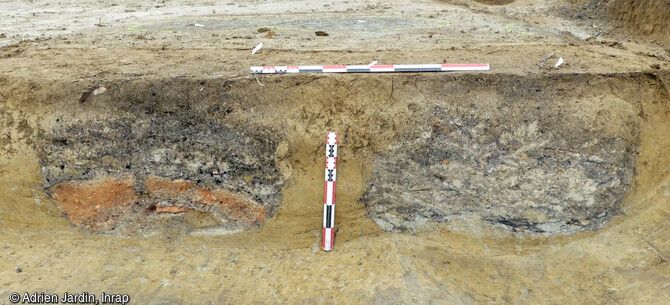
(329, 192)
(369, 69)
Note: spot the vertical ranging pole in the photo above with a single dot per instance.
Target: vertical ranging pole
(329, 193)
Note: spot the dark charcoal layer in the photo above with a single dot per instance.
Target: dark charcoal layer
(526, 162)
(172, 140)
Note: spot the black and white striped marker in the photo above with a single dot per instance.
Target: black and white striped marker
(329, 192)
(369, 68)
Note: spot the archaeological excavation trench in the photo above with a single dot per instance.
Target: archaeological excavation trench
(551, 155)
(139, 157)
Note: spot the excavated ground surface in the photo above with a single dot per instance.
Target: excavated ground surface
(138, 156)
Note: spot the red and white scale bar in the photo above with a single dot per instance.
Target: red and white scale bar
(329, 192)
(369, 69)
